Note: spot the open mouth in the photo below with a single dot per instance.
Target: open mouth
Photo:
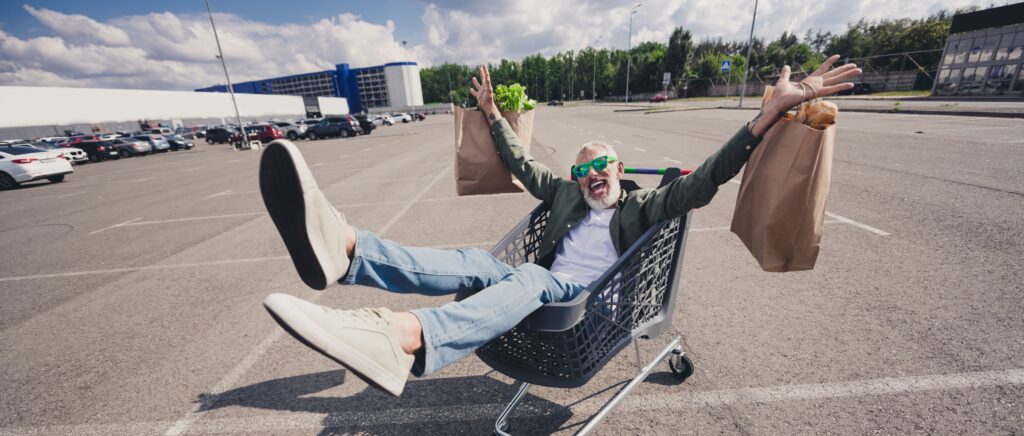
(598, 188)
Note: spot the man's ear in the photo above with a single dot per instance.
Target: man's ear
(622, 169)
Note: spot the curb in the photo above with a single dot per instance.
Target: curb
(980, 114)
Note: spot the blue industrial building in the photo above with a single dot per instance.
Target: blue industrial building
(396, 84)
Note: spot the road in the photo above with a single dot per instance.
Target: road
(131, 292)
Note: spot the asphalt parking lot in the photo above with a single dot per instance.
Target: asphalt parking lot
(131, 292)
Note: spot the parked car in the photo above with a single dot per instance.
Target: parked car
(659, 98)
(98, 150)
(403, 117)
(20, 164)
(53, 139)
(219, 135)
(858, 88)
(343, 126)
(12, 141)
(292, 130)
(162, 131)
(386, 120)
(178, 142)
(75, 139)
(555, 103)
(265, 132)
(157, 142)
(72, 154)
(129, 146)
(365, 123)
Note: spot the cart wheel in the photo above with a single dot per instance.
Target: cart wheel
(681, 365)
(505, 428)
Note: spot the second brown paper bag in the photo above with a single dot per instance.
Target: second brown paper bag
(780, 208)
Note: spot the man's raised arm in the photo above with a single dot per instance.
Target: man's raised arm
(699, 187)
(535, 176)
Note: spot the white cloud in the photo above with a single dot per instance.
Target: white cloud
(475, 32)
(168, 51)
(163, 50)
(79, 27)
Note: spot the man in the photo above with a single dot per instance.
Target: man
(591, 223)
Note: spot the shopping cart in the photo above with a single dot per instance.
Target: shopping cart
(565, 344)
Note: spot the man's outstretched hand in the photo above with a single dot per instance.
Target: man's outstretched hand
(484, 94)
(822, 82)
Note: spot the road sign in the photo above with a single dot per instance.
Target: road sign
(726, 66)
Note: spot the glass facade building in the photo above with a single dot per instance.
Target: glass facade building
(984, 54)
(364, 88)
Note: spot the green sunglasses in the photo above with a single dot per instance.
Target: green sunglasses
(599, 164)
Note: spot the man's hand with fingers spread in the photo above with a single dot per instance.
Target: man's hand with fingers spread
(484, 94)
(822, 82)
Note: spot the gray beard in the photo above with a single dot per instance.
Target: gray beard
(614, 190)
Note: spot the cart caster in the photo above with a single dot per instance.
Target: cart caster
(681, 365)
(505, 428)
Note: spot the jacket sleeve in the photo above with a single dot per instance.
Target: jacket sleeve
(699, 187)
(535, 176)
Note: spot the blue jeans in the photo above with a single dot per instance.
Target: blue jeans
(450, 332)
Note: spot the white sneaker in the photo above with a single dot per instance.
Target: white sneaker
(313, 231)
(364, 340)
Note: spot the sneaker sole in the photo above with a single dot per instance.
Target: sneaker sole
(284, 196)
(310, 334)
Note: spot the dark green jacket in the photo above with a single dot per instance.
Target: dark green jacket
(637, 210)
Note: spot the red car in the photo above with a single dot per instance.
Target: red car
(659, 98)
(266, 133)
(77, 139)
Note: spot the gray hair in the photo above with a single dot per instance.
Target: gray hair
(596, 145)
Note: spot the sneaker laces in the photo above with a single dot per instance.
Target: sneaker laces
(365, 315)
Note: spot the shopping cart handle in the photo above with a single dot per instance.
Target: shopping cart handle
(654, 171)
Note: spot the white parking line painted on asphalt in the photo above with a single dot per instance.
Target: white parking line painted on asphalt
(216, 195)
(143, 268)
(115, 225)
(234, 160)
(617, 141)
(639, 149)
(195, 218)
(858, 224)
(201, 264)
(144, 179)
(315, 164)
(672, 160)
(309, 422)
(182, 425)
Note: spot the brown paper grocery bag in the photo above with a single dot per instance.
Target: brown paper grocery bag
(478, 167)
(780, 209)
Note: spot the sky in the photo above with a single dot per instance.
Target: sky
(169, 44)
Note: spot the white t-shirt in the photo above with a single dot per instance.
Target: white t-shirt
(586, 251)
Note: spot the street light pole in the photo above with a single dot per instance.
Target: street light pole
(746, 68)
(572, 74)
(630, 49)
(593, 92)
(231, 90)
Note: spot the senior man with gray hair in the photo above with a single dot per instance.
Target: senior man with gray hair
(591, 223)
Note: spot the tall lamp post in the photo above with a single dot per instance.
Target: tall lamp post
(750, 40)
(593, 92)
(231, 90)
(629, 54)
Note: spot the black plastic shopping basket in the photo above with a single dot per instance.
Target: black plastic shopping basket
(565, 344)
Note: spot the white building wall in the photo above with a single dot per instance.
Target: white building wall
(404, 88)
(333, 105)
(38, 106)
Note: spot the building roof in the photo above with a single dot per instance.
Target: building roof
(987, 18)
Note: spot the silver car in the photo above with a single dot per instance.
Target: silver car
(292, 130)
(158, 143)
(129, 146)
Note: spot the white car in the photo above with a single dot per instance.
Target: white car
(20, 164)
(109, 136)
(403, 117)
(72, 154)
